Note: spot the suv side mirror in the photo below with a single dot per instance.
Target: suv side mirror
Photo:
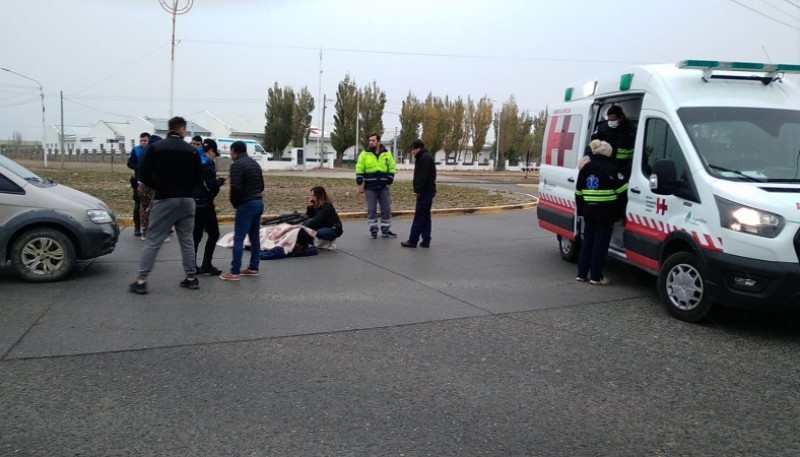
(664, 179)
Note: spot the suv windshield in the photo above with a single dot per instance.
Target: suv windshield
(746, 144)
(23, 172)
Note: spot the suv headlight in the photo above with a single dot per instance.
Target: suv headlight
(99, 216)
(741, 218)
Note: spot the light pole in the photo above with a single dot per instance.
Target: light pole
(41, 92)
(171, 6)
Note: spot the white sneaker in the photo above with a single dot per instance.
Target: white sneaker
(331, 246)
(322, 244)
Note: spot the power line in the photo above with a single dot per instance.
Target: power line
(776, 8)
(126, 116)
(793, 27)
(419, 54)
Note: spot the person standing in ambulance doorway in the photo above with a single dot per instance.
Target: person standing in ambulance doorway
(620, 133)
(600, 198)
(375, 170)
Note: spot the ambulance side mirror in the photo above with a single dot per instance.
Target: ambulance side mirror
(664, 179)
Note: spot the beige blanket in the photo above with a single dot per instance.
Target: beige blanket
(283, 235)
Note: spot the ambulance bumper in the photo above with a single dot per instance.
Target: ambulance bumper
(747, 283)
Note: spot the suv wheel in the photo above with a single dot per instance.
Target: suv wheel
(42, 255)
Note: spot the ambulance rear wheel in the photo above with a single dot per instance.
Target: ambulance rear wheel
(569, 249)
(681, 286)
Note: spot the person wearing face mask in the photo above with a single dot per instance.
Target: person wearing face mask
(620, 133)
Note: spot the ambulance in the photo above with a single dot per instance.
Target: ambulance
(714, 193)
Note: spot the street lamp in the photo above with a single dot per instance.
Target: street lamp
(41, 92)
(174, 9)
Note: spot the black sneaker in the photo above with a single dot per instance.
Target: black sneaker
(137, 233)
(373, 234)
(137, 288)
(408, 244)
(193, 283)
(388, 234)
(209, 270)
(425, 245)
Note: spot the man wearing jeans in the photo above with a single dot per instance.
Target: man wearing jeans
(425, 188)
(172, 168)
(246, 186)
(374, 174)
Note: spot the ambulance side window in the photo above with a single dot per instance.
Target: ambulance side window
(660, 143)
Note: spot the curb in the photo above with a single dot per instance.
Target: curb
(128, 221)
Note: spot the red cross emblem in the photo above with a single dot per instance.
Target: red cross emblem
(661, 206)
(559, 141)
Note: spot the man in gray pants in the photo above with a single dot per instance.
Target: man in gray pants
(172, 167)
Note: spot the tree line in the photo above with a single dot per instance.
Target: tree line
(456, 126)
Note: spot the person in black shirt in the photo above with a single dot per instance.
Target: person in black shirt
(205, 216)
(246, 185)
(425, 188)
(620, 133)
(172, 168)
(322, 217)
(600, 197)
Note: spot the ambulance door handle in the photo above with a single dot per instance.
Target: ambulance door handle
(636, 190)
(571, 179)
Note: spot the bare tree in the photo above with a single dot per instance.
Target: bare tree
(539, 124)
(505, 129)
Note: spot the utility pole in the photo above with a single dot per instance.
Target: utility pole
(319, 94)
(320, 152)
(41, 92)
(171, 6)
(61, 136)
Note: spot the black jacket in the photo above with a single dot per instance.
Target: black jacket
(246, 180)
(172, 167)
(206, 192)
(424, 172)
(601, 191)
(324, 216)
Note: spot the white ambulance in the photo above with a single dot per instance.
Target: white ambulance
(714, 194)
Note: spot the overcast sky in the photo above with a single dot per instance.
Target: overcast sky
(111, 58)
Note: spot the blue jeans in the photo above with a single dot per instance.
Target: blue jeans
(421, 225)
(248, 222)
(326, 233)
(594, 249)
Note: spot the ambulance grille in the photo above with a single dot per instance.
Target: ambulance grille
(785, 190)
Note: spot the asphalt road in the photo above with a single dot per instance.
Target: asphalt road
(482, 345)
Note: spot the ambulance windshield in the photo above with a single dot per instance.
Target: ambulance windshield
(746, 144)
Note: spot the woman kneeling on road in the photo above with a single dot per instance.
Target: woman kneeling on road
(322, 217)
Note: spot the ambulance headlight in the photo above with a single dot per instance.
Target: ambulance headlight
(745, 219)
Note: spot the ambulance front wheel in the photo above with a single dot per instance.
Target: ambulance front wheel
(569, 249)
(681, 287)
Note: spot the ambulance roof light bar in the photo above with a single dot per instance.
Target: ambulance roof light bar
(772, 72)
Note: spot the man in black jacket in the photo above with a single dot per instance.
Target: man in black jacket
(205, 216)
(172, 168)
(425, 188)
(247, 185)
(620, 133)
(600, 197)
